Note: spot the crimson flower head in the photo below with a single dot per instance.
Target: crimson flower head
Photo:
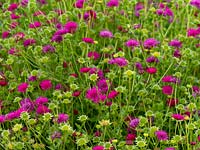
(88, 40)
(62, 118)
(36, 24)
(172, 102)
(95, 95)
(113, 3)
(22, 87)
(98, 147)
(167, 90)
(175, 43)
(150, 43)
(178, 116)
(106, 34)
(93, 54)
(42, 109)
(29, 42)
(41, 100)
(161, 135)
(132, 43)
(45, 85)
(5, 34)
(12, 7)
(151, 70)
(71, 26)
(120, 61)
(195, 3)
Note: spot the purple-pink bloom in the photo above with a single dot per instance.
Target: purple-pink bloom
(71, 26)
(93, 54)
(120, 61)
(48, 48)
(102, 85)
(22, 87)
(195, 3)
(2, 118)
(88, 40)
(98, 147)
(95, 95)
(132, 43)
(167, 89)
(150, 43)
(113, 3)
(41, 100)
(161, 135)
(134, 123)
(5, 34)
(170, 148)
(106, 34)
(112, 94)
(91, 14)
(27, 104)
(62, 118)
(152, 59)
(12, 7)
(175, 43)
(29, 42)
(178, 116)
(36, 24)
(193, 32)
(41, 109)
(45, 84)
(14, 16)
(177, 53)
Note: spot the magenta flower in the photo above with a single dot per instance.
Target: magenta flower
(106, 34)
(62, 118)
(192, 32)
(14, 114)
(161, 135)
(134, 123)
(48, 48)
(113, 3)
(36, 24)
(57, 38)
(132, 43)
(139, 6)
(120, 61)
(151, 70)
(5, 34)
(12, 7)
(2, 118)
(95, 95)
(167, 89)
(178, 116)
(195, 3)
(79, 3)
(27, 104)
(175, 43)
(14, 16)
(29, 42)
(24, 2)
(98, 147)
(41, 100)
(150, 43)
(177, 53)
(152, 59)
(170, 79)
(71, 26)
(102, 85)
(22, 87)
(45, 85)
(172, 102)
(90, 15)
(112, 94)
(170, 148)
(42, 109)
(93, 54)
(88, 40)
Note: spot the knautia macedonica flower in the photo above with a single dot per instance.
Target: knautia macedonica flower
(79, 3)
(170, 79)
(112, 94)
(161, 135)
(94, 55)
(12, 6)
(22, 87)
(48, 48)
(175, 43)
(88, 40)
(112, 3)
(172, 102)
(95, 95)
(167, 89)
(132, 43)
(102, 85)
(106, 34)
(150, 43)
(91, 14)
(120, 61)
(195, 3)
(62, 118)
(98, 147)
(45, 84)
(5, 34)
(134, 123)
(152, 59)
(42, 109)
(35, 24)
(29, 42)
(151, 70)
(41, 100)
(170, 148)
(2, 118)
(56, 135)
(71, 26)
(27, 104)
(178, 116)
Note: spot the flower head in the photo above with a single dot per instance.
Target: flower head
(45, 84)
(22, 87)
(41, 100)
(62, 118)
(167, 89)
(134, 123)
(106, 34)
(120, 61)
(113, 3)
(150, 43)
(178, 116)
(161, 135)
(71, 26)
(95, 95)
(132, 43)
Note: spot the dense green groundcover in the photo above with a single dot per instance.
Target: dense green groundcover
(100, 74)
